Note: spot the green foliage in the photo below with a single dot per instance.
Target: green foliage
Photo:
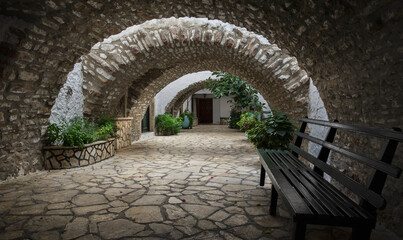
(107, 127)
(166, 125)
(105, 131)
(234, 117)
(248, 121)
(274, 132)
(54, 134)
(245, 96)
(190, 116)
(79, 131)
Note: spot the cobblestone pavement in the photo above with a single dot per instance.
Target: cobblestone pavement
(200, 184)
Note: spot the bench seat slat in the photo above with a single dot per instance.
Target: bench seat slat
(381, 166)
(370, 196)
(382, 133)
(295, 183)
(294, 201)
(285, 185)
(340, 200)
(315, 194)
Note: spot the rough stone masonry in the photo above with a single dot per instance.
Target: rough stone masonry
(351, 50)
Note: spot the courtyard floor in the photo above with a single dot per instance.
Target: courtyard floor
(200, 184)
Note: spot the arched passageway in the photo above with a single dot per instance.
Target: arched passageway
(177, 102)
(350, 49)
(183, 95)
(139, 57)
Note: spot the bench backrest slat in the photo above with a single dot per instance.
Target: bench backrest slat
(378, 179)
(376, 164)
(324, 152)
(382, 133)
(369, 196)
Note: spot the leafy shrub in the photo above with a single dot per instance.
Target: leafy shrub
(274, 132)
(248, 121)
(54, 134)
(166, 125)
(190, 116)
(105, 131)
(79, 131)
(107, 127)
(234, 117)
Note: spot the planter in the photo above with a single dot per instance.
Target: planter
(59, 157)
(186, 122)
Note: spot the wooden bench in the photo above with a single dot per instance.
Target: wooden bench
(310, 199)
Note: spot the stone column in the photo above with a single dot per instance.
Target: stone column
(125, 125)
(152, 116)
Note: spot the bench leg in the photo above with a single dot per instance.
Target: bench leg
(273, 201)
(298, 231)
(361, 232)
(262, 175)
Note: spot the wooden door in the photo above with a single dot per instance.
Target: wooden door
(205, 110)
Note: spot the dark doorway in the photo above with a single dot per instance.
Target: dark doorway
(205, 110)
(145, 123)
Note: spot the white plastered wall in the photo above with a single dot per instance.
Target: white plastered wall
(70, 100)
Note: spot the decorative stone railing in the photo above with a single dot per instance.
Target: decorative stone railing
(125, 126)
(60, 157)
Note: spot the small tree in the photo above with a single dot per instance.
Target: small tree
(245, 96)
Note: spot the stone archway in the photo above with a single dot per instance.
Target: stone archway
(141, 56)
(184, 94)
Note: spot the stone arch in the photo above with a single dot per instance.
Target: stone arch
(184, 94)
(121, 60)
(141, 94)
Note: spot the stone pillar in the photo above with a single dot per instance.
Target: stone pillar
(125, 126)
(152, 115)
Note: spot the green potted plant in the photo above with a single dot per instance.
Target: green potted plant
(273, 132)
(190, 117)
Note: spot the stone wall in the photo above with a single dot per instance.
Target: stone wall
(59, 157)
(351, 49)
(124, 132)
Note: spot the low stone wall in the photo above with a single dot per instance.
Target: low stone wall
(224, 121)
(59, 157)
(124, 132)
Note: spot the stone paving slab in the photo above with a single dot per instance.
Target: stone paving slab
(200, 184)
